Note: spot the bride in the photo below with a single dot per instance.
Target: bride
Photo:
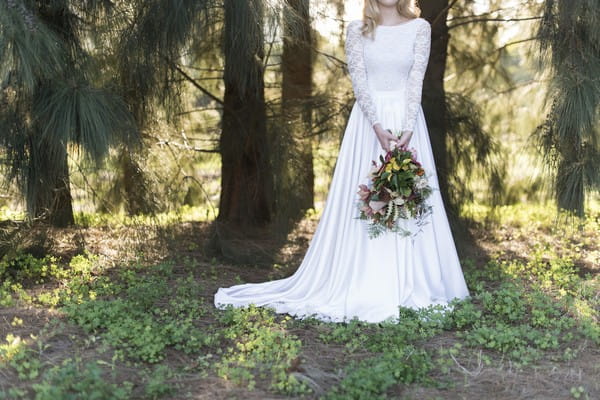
(345, 274)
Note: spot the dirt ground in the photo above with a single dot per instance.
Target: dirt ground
(321, 364)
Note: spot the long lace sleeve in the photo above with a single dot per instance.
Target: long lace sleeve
(358, 72)
(417, 73)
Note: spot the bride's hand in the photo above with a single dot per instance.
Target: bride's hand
(385, 137)
(405, 137)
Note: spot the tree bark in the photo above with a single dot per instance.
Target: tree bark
(135, 192)
(246, 181)
(434, 108)
(570, 183)
(295, 174)
(434, 95)
(137, 198)
(49, 193)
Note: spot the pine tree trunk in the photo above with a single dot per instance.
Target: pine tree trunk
(49, 193)
(570, 178)
(295, 174)
(434, 95)
(49, 197)
(245, 173)
(136, 193)
(135, 188)
(434, 107)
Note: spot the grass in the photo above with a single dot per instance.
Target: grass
(108, 323)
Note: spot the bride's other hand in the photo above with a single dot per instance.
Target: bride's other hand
(385, 137)
(405, 138)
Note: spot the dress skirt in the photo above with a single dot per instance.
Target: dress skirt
(345, 274)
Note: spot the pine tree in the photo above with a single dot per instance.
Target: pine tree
(53, 101)
(294, 172)
(434, 95)
(570, 137)
(152, 39)
(246, 178)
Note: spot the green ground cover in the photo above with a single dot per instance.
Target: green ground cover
(101, 325)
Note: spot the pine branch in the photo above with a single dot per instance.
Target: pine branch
(197, 85)
(184, 146)
(333, 58)
(437, 19)
(478, 20)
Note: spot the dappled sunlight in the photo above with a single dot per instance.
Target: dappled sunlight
(183, 214)
(152, 153)
(531, 306)
(11, 348)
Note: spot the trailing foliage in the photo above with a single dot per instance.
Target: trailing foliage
(472, 152)
(155, 35)
(570, 139)
(142, 323)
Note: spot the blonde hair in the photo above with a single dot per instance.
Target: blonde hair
(406, 8)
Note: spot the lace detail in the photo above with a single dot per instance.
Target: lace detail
(358, 73)
(417, 73)
(396, 59)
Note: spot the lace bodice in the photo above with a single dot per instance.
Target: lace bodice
(395, 59)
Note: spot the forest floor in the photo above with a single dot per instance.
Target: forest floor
(125, 311)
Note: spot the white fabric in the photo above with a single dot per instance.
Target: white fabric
(395, 60)
(345, 274)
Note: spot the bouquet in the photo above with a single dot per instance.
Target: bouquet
(397, 191)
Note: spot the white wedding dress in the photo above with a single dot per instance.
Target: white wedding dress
(345, 274)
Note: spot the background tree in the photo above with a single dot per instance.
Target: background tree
(53, 100)
(245, 173)
(473, 81)
(454, 121)
(434, 95)
(293, 156)
(153, 37)
(570, 138)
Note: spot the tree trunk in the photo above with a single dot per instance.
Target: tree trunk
(434, 108)
(434, 95)
(135, 192)
(294, 171)
(48, 193)
(137, 199)
(570, 177)
(246, 181)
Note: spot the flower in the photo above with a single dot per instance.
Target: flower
(363, 192)
(392, 166)
(366, 210)
(377, 206)
(420, 182)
